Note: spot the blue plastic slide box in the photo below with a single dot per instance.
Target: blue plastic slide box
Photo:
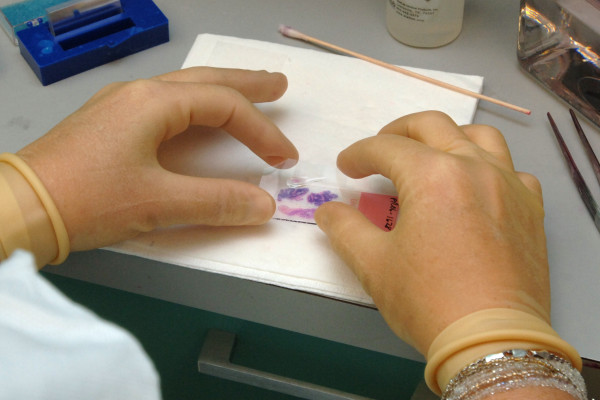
(81, 39)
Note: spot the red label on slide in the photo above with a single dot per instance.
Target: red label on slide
(380, 209)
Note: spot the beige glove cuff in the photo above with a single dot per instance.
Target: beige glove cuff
(28, 216)
(487, 332)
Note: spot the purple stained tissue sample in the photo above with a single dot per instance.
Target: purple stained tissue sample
(320, 198)
(306, 213)
(291, 193)
(297, 194)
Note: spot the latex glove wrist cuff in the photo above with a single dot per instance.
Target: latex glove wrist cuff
(486, 332)
(515, 369)
(28, 216)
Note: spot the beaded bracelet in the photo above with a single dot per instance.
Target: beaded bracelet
(490, 331)
(514, 369)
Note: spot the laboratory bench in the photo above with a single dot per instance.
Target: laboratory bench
(170, 307)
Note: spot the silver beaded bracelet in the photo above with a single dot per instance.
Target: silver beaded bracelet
(514, 369)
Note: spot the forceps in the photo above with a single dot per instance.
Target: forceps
(582, 187)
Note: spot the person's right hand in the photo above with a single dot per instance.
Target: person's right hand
(469, 235)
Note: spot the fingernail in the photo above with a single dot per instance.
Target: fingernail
(289, 163)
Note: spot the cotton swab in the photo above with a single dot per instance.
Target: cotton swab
(294, 34)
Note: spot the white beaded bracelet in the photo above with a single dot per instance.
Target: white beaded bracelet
(514, 369)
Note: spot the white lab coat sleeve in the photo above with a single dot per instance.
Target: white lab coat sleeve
(52, 348)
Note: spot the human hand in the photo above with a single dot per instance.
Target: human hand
(469, 235)
(100, 164)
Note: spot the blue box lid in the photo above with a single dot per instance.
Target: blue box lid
(88, 39)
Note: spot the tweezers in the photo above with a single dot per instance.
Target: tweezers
(582, 187)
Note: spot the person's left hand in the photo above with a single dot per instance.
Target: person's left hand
(100, 164)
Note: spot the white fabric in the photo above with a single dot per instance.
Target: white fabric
(331, 102)
(52, 348)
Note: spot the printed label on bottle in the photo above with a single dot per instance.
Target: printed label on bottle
(416, 10)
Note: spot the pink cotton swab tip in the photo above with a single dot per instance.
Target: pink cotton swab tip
(290, 32)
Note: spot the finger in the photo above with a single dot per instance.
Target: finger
(353, 237)
(205, 201)
(382, 154)
(257, 86)
(183, 104)
(491, 140)
(433, 128)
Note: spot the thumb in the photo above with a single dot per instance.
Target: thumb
(353, 237)
(209, 201)
(162, 199)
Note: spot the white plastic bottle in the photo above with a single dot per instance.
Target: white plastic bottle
(424, 23)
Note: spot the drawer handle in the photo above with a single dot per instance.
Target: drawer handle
(215, 357)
